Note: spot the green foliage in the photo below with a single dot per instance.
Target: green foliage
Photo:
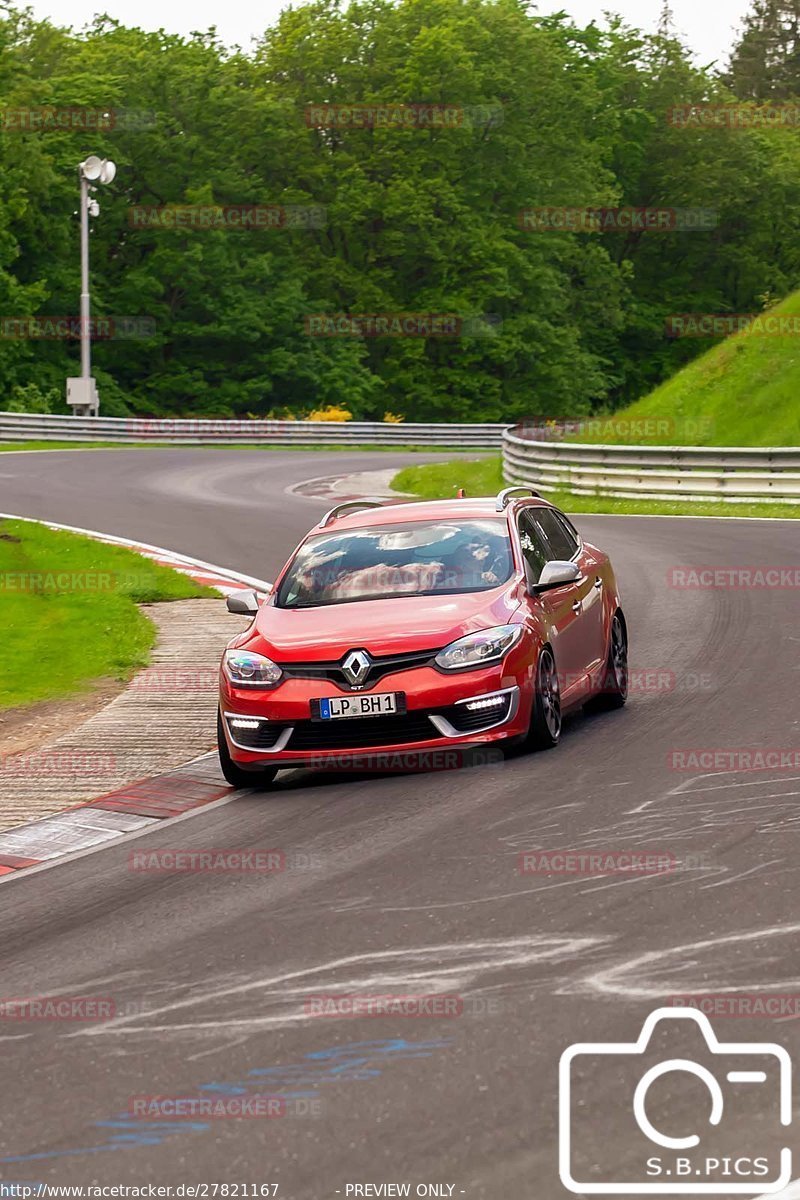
(765, 64)
(29, 398)
(417, 220)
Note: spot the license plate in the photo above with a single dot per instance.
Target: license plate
(378, 704)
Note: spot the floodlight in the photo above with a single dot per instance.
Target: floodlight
(92, 168)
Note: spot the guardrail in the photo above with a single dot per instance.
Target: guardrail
(23, 427)
(702, 473)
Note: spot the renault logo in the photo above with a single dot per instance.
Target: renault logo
(356, 667)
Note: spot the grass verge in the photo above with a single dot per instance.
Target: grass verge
(484, 477)
(68, 610)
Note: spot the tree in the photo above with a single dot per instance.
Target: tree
(765, 63)
(419, 219)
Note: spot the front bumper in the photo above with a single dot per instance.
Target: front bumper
(468, 709)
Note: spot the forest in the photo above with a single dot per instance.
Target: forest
(433, 209)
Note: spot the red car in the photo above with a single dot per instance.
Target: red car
(419, 627)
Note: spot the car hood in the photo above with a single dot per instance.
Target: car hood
(402, 624)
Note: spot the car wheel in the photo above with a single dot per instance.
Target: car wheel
(545, 727)
(235, 775)
(614, 686)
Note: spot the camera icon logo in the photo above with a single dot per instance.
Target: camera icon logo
(688, 1121)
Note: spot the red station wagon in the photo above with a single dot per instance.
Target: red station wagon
(402, 628)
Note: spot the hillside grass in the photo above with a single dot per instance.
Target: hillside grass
(744, 391)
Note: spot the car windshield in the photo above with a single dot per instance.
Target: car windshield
(420, 559)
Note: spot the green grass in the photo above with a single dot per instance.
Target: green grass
(434, 481)
(745, 391)
(483, 477)
(61, 634)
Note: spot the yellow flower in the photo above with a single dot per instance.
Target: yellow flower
(332, 412)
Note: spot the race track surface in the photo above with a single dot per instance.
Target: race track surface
(411, 884)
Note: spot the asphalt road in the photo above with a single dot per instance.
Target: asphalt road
(411, 884)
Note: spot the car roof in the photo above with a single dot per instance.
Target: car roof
(467, 508)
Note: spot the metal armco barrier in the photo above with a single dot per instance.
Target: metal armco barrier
(703, 473)
(23, 427)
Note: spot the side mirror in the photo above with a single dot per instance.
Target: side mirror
(244, 603)
(555, 574)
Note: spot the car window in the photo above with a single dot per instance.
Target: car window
(425, 558)
(534, 548)
(560, 540)
(570, 528)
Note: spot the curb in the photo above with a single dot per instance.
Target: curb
(223, 579)
(136, 806)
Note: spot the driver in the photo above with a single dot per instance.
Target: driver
(485, 562)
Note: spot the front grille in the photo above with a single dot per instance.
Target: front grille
(332, 672)
(353, 733)
(263, 738)
(470, 721)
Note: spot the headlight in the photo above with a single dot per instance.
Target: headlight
(245, 669)
(478, 648)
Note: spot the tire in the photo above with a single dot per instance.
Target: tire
(614, 684)
(545, 727)
(235, 775)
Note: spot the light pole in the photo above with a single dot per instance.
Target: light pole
(82, 390)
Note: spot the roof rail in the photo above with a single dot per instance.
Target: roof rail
(506, 494)
(338, 509)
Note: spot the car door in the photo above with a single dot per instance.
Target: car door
(565, 543)
(558, 609)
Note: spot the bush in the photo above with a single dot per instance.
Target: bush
(331, 412)
(29, 398)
